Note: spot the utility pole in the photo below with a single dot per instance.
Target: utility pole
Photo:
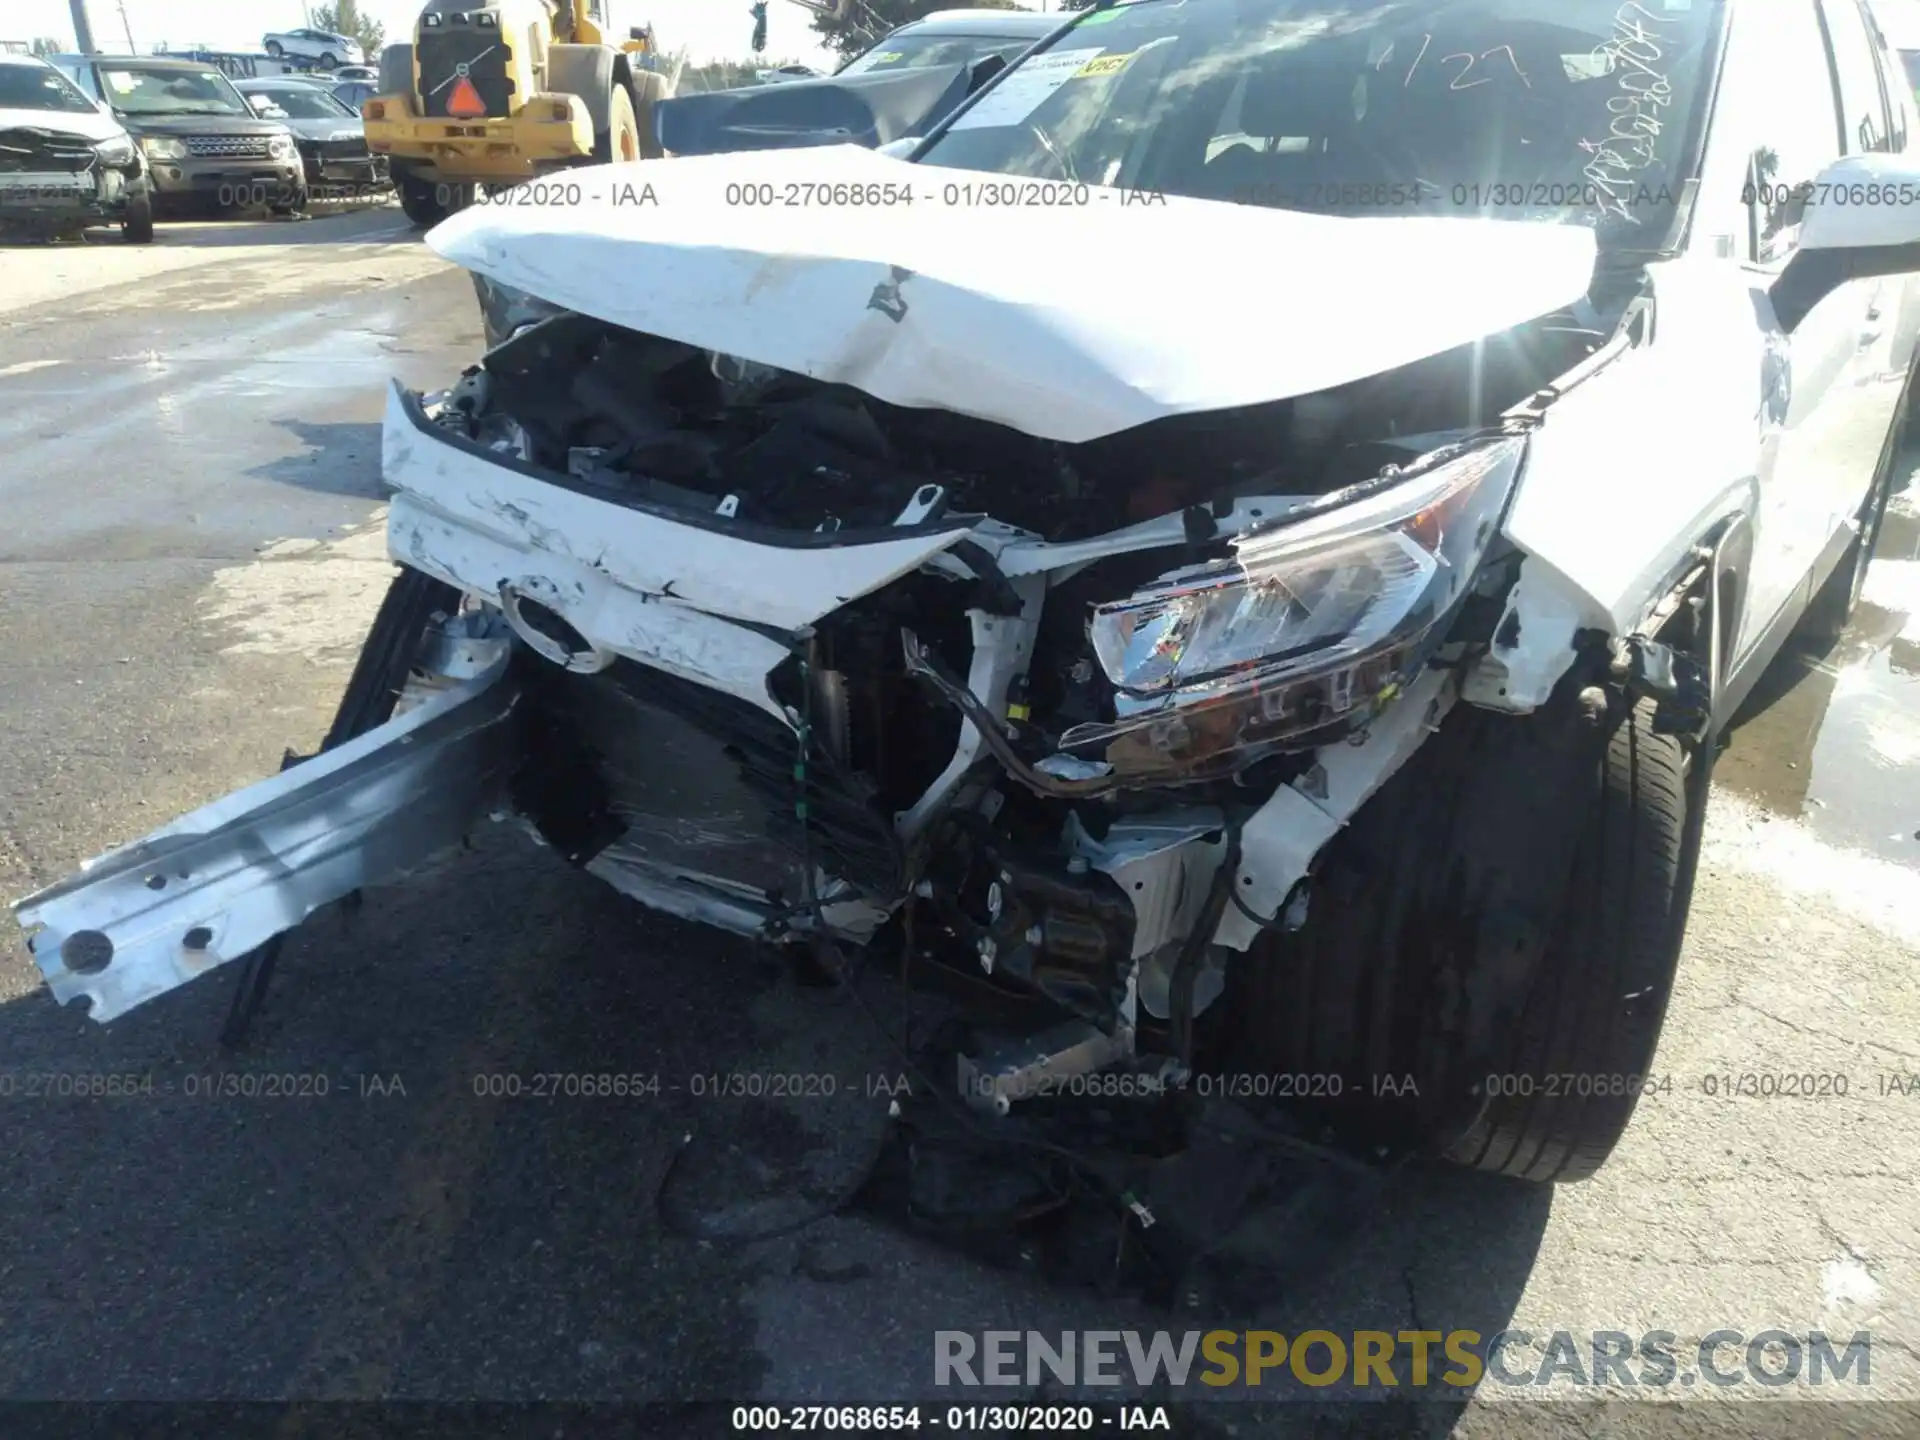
(127, 25)
(82, 30)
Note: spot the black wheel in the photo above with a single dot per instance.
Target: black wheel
(426, 203)
(1572, 1069)
(329, 61)
(1505, 915)
(276, 49)
(649, 90)
(137, 228)
(621, 139)
(293, 206)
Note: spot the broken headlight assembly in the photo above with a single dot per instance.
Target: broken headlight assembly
(1309, 626)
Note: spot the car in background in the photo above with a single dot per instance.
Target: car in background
(202, 142)
(64, 162)
(898, 90)
(332, 141)
(355, 72)
(355, 93)
(954, 37)
(322, 47)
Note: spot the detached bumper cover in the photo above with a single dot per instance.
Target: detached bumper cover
(215, 884)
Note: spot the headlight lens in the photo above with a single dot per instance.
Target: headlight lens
(159, 147)
(280, 147)
(117, 151)
(1307, 624)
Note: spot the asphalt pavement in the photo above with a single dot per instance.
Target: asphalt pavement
(189, 455)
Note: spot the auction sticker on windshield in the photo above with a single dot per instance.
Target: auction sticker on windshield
(1026, 87)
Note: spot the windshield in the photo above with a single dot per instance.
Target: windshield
(921, 51)
(303, 103)
(33, 87)
(1554, 110)
(170, 92)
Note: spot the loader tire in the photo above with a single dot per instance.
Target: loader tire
(426, 202)
(649, 90)
(620, 141)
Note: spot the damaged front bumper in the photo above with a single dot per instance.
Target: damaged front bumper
(637, 721)
(214, 885)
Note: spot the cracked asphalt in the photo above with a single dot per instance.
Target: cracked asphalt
(189, 452)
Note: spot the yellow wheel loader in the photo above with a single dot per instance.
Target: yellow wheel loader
(492, 92)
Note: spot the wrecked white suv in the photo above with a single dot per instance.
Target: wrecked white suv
(1246, 540)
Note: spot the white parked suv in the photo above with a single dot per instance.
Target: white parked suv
(324, 49)
(1245, 543)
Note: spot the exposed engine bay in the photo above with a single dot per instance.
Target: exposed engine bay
(1051, 736)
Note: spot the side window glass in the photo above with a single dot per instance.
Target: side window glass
(1895, 84)
(1862, 106)
(1790, 89)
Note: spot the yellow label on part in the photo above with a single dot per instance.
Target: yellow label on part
(887, 57)
(1105, 65)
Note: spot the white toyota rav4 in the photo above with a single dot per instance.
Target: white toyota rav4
(1245, 540)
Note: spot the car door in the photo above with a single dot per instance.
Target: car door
(1878, 373)
(1903, 115)
(1775, 127)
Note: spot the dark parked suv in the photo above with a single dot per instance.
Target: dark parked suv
(202, 143)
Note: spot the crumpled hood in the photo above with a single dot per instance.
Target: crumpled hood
(97, 125)
(1063, 321)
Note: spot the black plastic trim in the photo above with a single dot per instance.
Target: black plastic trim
(747, 530)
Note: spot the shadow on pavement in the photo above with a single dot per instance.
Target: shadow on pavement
(339, 458)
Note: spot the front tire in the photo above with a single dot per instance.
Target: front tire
(1574, 1066)
(137, 227)
(276, 49)
(1505, 914)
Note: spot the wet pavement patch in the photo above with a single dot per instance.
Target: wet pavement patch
(1833, 740)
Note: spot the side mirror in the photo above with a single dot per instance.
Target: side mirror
(1862, 221)
(985, 70)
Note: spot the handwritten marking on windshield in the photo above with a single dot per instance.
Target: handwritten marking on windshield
(1470, 58)
(1635, 126)
(1460, 81)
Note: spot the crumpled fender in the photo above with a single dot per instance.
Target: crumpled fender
(1631, 469)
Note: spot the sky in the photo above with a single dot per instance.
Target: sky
(710, 29)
